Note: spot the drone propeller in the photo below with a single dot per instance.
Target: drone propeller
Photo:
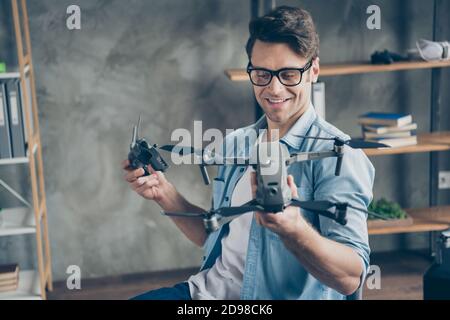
(370, 213)
(324, 206)
(233, 211)
(182, 151)
(353, 143)
(183, 214)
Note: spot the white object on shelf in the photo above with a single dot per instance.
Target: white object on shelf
(16, 221)
(10, 75)
(318, 98)
(29, 288)
(13, 161)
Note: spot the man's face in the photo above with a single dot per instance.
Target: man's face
(281, 103)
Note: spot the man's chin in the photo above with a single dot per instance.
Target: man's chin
(276, 117)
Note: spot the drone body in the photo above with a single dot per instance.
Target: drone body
(273, 192)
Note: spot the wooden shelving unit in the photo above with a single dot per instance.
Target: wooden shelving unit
(328, 70)
(424, 220)
(427, 142)
(31, 219)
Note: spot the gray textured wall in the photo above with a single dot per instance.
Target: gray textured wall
(165, 60)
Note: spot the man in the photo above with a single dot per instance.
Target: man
(295, 254)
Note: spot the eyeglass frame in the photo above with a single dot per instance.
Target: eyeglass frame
(276, 73)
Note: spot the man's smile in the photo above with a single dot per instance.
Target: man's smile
(277, 103)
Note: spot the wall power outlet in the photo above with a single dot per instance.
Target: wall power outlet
(444, 180)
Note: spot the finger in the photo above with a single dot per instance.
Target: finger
(125, 164)
(144, 180)
(133, 175)
(292, 185)
(160, 175)
(145, 188)
(258, 218)
(254, 184)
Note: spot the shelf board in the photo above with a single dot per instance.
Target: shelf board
(13, 161)
(9, 75)
(427, 142)
(354, 68)
(29, 288)
(17, 221)
(424, 220)
(21, 160)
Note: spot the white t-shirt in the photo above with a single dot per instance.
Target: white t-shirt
(223, 280)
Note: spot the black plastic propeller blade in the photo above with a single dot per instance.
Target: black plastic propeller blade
(315, 138)
(183, 214)
(313, 205)
(232, 211)
(182, 151)
(370, 213)
(363, 144)
(353, 143)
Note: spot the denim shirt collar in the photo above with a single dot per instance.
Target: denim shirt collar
(300, 128)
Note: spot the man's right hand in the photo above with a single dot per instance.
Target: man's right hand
(156, 187)
(153, 187)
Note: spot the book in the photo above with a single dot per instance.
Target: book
(318, 98)
(5, 136)
(16, 120)
(9, 271)
(27, 104)
(379, 129)
(373, 135)
(397, 142)
(9, 282)
(386, 119)
(9, 288)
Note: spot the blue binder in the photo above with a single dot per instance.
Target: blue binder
(5, 138)
(16, 120)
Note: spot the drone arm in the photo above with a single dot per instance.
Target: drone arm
(334, 211)
(205, 175)
(251, 205)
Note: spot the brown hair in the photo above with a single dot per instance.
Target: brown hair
(293, 26)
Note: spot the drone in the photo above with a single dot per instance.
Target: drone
(270, 161)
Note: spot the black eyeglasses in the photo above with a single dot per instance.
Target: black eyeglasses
(289, 77)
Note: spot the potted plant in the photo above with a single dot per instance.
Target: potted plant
(394, 214)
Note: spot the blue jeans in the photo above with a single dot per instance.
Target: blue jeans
(178, 292)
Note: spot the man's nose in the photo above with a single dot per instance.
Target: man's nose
(275, 86)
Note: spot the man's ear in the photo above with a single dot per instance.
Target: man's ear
(315, 70)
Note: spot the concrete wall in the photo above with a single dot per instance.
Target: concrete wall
(165, 60)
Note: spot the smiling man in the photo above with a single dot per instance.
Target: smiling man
(295, 254)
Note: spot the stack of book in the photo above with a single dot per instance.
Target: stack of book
(9, 277)
(392, 129)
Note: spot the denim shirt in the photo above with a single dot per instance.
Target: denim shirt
(271, 270)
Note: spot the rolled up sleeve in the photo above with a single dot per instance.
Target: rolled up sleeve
(354, 186)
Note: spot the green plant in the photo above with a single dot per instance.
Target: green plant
(388, 209)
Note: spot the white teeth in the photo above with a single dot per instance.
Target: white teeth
(277, 101)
